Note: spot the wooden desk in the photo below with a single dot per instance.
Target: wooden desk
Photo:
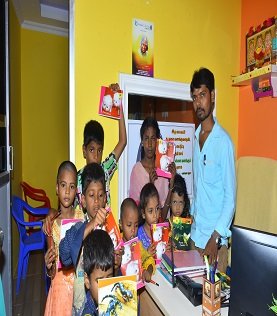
(170, 301)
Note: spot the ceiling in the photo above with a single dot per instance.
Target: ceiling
(48, 14)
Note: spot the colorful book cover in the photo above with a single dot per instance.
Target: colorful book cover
(143, 48)
(66, 224)
(160, 236)
(181, 232)
(118, 296)
(131, 260)
(113, 230)
(189, 260)
(165, 153)
(110, 104)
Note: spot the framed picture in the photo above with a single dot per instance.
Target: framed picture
(259, 45)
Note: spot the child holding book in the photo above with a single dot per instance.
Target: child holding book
(149, 208)
(98, 264)
(93, 147)
(60, 296)
(93, 201)
(144, 170)
(180, 220)
(128, 222)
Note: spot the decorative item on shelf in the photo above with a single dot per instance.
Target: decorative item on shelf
(261, 44)
(261, 60)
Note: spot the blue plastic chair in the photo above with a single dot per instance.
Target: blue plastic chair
(27, 243)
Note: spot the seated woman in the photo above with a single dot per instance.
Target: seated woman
(144, 170)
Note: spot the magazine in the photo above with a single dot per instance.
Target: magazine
(66, 224)
(131, 260)
(110, 104)
(181, 232)
(118, 296)
(165, 153)
(160, 236)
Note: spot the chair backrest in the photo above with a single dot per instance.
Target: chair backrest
(257, 193)
(35, 194)
(18, 208)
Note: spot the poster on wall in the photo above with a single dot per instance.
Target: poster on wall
(182, 134)
(143, 48)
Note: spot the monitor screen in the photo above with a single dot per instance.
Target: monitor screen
(254, 272)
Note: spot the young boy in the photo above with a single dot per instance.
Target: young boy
(98, 264)
(93, 150)
(94, 201)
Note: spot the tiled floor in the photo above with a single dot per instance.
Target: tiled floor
(32, 295)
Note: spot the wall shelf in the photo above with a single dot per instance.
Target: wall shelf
(263, 81)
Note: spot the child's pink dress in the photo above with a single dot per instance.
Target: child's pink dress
(60, 296)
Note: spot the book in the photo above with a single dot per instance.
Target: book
(131, 260)
(160, 236)
(66, 224)
(118, 296)
(189, 260)
(191, 273)
(165, 273)
(165, 152)
(113, 230)
(181, 232)
(110, 104)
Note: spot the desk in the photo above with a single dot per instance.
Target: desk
(171, 301)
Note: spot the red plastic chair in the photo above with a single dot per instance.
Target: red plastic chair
(35, 194)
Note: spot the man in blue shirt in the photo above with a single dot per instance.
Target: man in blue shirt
(214, 175)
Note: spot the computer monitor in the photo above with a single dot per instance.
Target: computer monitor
(254, 272)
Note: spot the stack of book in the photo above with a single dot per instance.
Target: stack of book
(189, 263)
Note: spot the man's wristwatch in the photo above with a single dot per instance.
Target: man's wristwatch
(217, 238)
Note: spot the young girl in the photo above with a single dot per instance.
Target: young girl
(179, 200)
(128, 222)
(149, 208)
(179, 207)
(60, 296)
(144, 170)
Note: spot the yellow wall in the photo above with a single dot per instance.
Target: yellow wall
(15, 117)
(44, 97)
(187, 35)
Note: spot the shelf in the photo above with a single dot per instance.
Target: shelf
(255, 78)
(260, 73)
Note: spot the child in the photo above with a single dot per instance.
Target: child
(144, 170)
(149, 208)
(98, 264)
(128, 222)
(179, 201)
(93, 201)
(93, 149)
(60, 296)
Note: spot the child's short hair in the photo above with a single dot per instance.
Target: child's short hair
(93, 131)
(181, 189)
(148, 191)
(92, 172)
(98, 251)
(128, 202)
(66, 165)
(203, 76)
